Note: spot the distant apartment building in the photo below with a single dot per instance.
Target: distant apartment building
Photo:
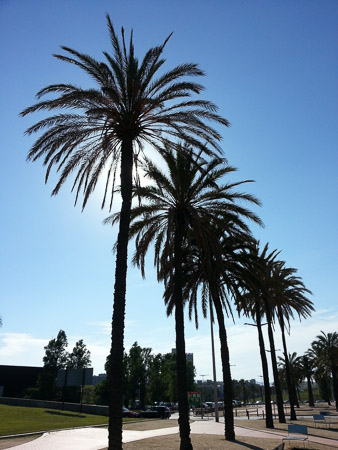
(189, 356)
(98, 378)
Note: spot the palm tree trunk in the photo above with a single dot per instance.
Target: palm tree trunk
(268, 409)
(183, 405)
(310, 391)
(213, 361)
(278, 390)
(287, 371)
(115, 372)
(229, 431)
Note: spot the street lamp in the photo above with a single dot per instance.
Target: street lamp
(261, 376)
(202, 407)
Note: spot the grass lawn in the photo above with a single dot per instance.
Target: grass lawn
(17, 420)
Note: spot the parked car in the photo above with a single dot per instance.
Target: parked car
(169, 405)
(236, 403)
(163, 412)
(127, 413)
(209, 406)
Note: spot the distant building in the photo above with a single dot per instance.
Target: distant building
(16, 379)
(188, 356)
(98, 378)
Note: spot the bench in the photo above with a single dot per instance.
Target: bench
(319, 419)
(296, 433)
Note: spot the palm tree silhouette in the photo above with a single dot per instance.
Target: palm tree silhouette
(181, 212)
(306, 366)
(294, 364)
(218, 278)
(251, 301)
(288, 295)
(107, 128)
(324, 350)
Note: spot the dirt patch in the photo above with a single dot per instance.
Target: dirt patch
(320, 430)
(150, 425)
(13, 442)
(201, 442)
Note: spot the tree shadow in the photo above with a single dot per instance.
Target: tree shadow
(245, 444)
(58, 413)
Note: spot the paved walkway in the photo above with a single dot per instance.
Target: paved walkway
(97, 438)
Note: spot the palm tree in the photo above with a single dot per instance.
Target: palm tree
(106, 128)
(281, 292)
(325, 352)
(294, 364)
(288, 296)
(306, 366)
(268, 262)
(253, 302)
(254, 310)
(218, 278)
(181, 212)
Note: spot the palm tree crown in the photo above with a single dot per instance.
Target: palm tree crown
(324, 354)
(129, 104)
(190, 194)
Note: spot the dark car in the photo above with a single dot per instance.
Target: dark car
(127, 413)
(162, 411)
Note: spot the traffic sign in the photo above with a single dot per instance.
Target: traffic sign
(194, 399)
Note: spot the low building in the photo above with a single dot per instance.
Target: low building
(16, 379)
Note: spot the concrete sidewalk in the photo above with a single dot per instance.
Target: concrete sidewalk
(97, 438)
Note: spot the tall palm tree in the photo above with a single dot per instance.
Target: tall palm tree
(281, 292)
(289, 296)
(268, 262)
(325, 351)
(95, 131)
(182, 210)
(253, 302)
(306, 367)
(251, 307)
(218, 278)
(294, 364)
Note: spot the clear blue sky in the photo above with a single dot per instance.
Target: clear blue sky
(272, 70)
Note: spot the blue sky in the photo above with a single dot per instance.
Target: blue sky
(271, 68)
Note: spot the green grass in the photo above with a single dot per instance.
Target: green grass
(17, 420)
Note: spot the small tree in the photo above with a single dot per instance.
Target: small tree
(156, 386)
(56, 355)
(55, 359)
(138, 359)
(80, 356)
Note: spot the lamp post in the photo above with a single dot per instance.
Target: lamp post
(202, 396)
(274, 390)
(268, 409)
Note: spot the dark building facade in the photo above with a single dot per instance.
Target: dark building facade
(16, 379)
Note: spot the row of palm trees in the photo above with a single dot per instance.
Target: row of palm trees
(196, 222)
(319, 363)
